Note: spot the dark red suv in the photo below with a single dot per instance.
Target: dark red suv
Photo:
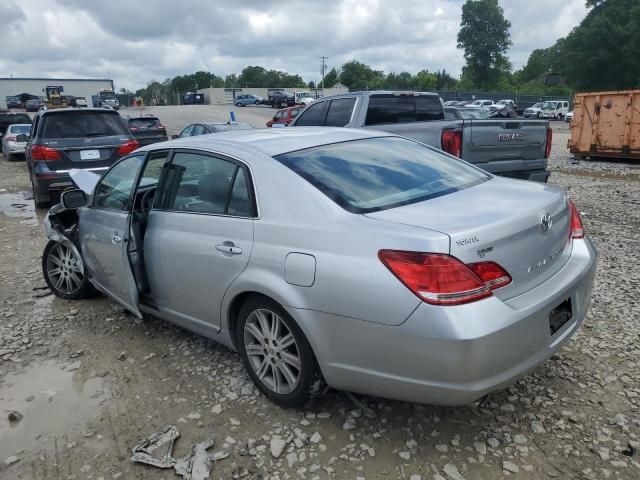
(285, 116)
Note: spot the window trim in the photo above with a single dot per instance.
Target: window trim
(134, 189)
(227, 158)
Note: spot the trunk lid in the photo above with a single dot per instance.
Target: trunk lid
(500, 221)
(500, 142)
(78, 153)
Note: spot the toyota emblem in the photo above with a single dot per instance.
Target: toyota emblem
(545, 222)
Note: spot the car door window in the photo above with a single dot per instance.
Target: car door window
(201, 183)
(339, 113)
(199, 130)
(277, 116)
(240, 204)
(114, 190)
(313, 116)
(295, 112)
(187, 131)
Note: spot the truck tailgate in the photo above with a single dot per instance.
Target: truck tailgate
(505, 145)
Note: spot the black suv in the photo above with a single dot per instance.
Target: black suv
(147, 129)
(61, 139)
(280, 99)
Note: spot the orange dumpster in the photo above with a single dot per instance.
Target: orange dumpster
(606, 124)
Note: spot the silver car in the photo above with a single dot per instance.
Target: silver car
(357, 258)
(10, 144)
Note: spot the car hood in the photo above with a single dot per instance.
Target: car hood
(84, 180)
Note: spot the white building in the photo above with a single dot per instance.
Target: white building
(78, 87)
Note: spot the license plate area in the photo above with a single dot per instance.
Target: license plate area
(559, 316)
(89, 154)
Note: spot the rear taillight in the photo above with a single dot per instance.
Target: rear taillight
(134, 129)
(576, 230)
(547, 150)
(452, 142)
(10, 139)
(42, 152)
(160, 127)
(128, 147)
(441, 279)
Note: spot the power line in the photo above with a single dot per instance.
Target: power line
(323, 68)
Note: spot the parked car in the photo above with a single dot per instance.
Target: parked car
(504, 103)
(193, 98)
(451, 103)
(10, 144)
(461, 103)
(554, 109)
(533, 111)
(147, 129)
(196, 129)
(90, 139)
(280, 99)
(81, 102)
(480, 104)
(247, 99)
(9, 118)
(32, 105)
(568, 117)
(320, 260)
(14, 102)
(284, 116)
(512, 148)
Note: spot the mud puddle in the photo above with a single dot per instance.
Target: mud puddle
(19, 205)
(53, 399)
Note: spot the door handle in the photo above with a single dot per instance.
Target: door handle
(226, 248)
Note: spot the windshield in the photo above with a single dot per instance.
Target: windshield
(107, 95)
(549, 106)
(19, 129)
(537, 105)
(304, 95)
(77, 124)
(380, 173)
(144, 122)
(477, 102)
(503, 102)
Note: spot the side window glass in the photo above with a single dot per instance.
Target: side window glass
(201, 184)
(313, 116)
(340, 112)
(153, 169)
(295, 112)
(240, 201)
(199, 130)
(114, 190)
(277, 116)
(186, 132)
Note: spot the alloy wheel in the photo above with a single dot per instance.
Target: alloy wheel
(272, 351)
(64, 270)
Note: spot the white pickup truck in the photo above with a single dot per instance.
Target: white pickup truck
(509, 147)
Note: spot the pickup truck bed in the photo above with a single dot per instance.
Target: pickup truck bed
(509, 147)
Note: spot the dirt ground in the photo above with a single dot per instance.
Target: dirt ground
(90, 381)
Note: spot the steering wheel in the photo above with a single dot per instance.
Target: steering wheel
(147, 201)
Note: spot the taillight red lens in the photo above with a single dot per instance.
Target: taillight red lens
(41, 152)
(134, 129)
(452, 142)
(160, 127)
(10, 138)
(576, 229)
(547, 150)
(441, 279)
(128, 147)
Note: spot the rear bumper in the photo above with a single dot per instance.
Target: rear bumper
(14, 147)
(51, 183)
(535, 169)
(452, 355)
(150, 140)
(541, 176)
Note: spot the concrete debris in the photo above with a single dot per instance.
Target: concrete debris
(277, 445)
(11, 460)
(197, 464)
(156, 448)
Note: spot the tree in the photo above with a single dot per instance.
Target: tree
(331, 78)
(358, 76)
(484, 37)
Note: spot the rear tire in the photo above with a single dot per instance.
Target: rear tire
(37, 200)
(62, 272)
(276, 353)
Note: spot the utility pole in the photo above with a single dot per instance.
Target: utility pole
(323, 69)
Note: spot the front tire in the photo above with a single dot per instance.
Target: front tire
(276, 353)
(62, 272)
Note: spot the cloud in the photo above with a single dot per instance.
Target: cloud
(135, 42)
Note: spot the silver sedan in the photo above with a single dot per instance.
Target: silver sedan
(358, 259)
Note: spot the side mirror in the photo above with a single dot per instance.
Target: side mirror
(22, 138)
(173, 137)
(72, 199)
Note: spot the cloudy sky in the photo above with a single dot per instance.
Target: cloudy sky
(135, 42)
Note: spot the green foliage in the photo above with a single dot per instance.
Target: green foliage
(259, 77)
(358, 76)
(484, 37)
(331, 78)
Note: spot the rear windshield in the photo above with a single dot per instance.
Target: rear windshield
(144, 122)
(20, 129)
(83, 124)
(14, 118)
(380, 173)
(403, 109)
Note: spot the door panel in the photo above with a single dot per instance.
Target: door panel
(191, 260)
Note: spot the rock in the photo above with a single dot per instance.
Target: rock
(349, 424)
(451, 471)
(216, 409)
(415, 477)
(480, 447)
(603, 452)
(11, 460)
(520, 439)
(316, 438)
(404, 455)
(234, 422)
(14, 416)
(537, 427)
(277, 444)
(292, 459)
(411, 444)
(324, 415)
(442, 448)
(493, 442)
(194, 416)
(508, 407)
(122, 356)
(510, 466)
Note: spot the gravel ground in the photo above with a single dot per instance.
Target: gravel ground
(90, 381)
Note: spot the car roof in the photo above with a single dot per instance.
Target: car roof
(370, 93)
(73, 109)
(268, 141)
